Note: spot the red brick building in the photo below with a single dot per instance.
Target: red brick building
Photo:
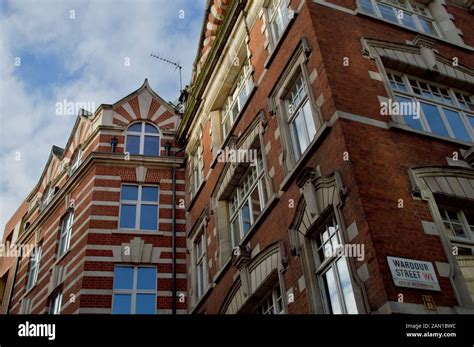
(330, 158)
(104, 232)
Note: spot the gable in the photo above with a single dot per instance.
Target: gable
(144, 104)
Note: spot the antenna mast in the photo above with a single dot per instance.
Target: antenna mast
(175, 64)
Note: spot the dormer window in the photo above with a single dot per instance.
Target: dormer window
(75, 162)
(408, 14)
(143, 139)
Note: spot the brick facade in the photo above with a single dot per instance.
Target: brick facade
(97, 243)
(250, 236)
(371, 159)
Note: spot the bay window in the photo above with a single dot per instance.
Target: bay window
(139, 207)
(443, 111)
(403, 12)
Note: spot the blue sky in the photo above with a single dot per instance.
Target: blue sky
(78, 51)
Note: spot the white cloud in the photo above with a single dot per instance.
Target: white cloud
(92, 48)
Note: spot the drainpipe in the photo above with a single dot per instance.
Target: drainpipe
(12, 288)
(173, 217)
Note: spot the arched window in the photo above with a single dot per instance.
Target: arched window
(143, 139)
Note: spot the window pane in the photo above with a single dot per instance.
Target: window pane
(427, 26)
(129, 193)
(256, 207)
(346, 286)
(150, 129)
(123, 277)
(299, 133)
(411, 120)
(434, 119)
(407, 19)
(137, 127)
(149, 217)
(146, 304)
(127, 216)
(242, 98)
(332, 292)
(150, 194)
(133, 144)
(308, 115)
(388, 13)
(62, 246)
(396, 82)
(152, 146)
(200, 279)
(122, 304)
(471, 121)
(236, 231)
(366, 6)
(146, 278)
(246, 223)
(457, 125)
(453, 223)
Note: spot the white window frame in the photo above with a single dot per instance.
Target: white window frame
(242, 196)
(244, 81)
(55, 304)
(65, 233)
(456, 106)
(466, 242)
(330, 263)
(135, 291)
(200, 264)
(413, 9)
(295, 111)
(142, 135)
(278, 13)
(269, 305)
(34, 268)
(138, 203)
(197, 167)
